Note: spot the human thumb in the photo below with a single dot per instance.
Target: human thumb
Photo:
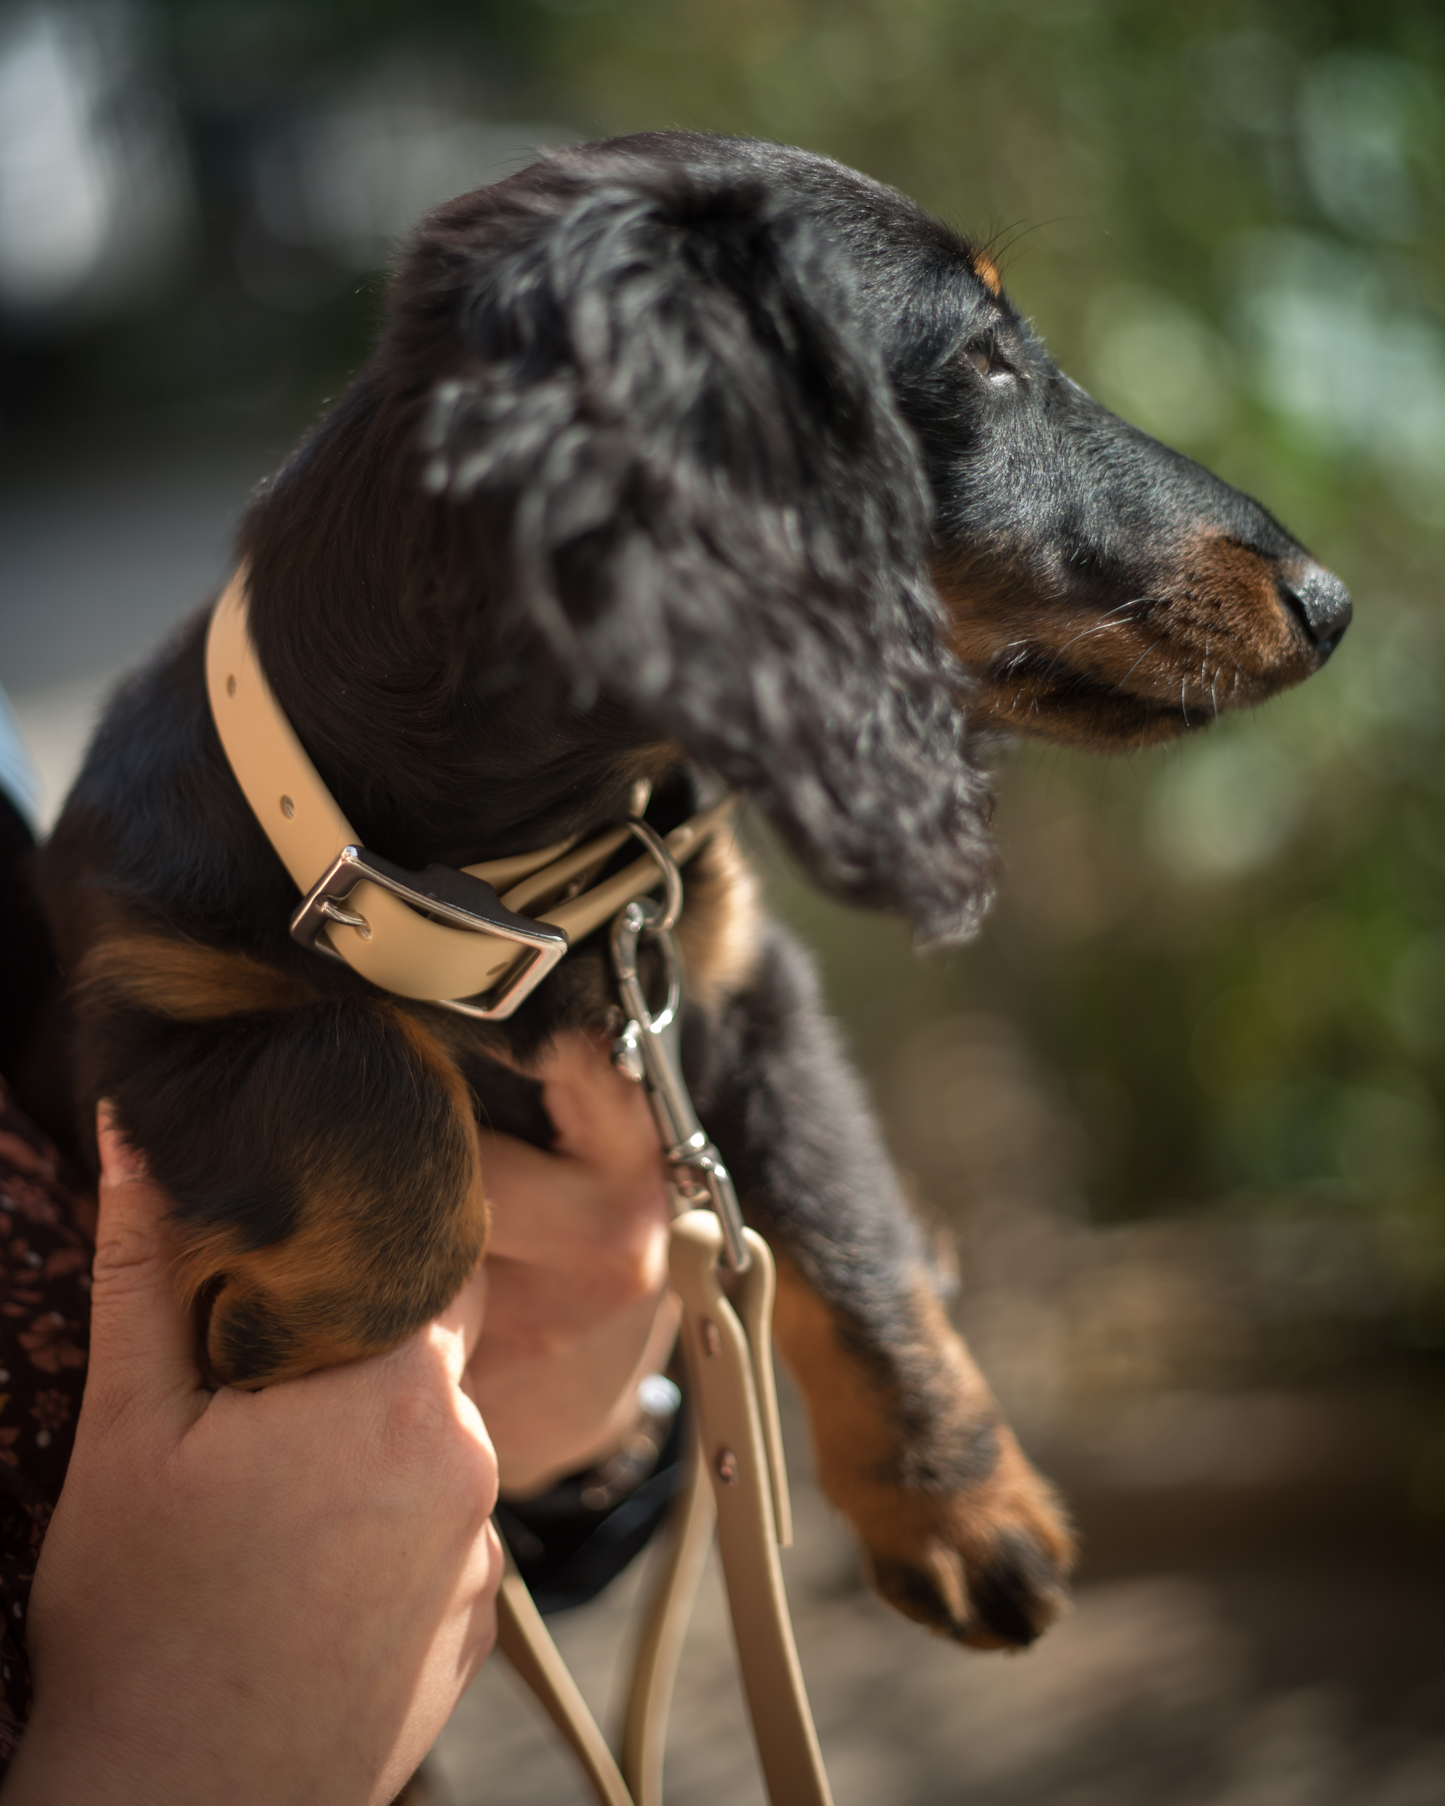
(141, 1339)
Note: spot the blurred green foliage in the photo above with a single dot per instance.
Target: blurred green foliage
(1225, 217)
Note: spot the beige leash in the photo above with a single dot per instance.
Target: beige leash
(446, 936)
(738, 1481)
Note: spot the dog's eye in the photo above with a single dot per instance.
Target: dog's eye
(983, 355)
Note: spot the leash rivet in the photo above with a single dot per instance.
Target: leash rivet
(727, 1466)
(288, 808)
(711, 1339)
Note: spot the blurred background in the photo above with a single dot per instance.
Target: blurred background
(1181, 1105)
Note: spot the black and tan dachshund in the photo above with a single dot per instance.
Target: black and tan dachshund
(713, 463)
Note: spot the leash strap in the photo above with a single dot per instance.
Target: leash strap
(446, 937)
(438, 935)
(738, 1483)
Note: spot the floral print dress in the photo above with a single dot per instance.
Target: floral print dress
(47, 1243)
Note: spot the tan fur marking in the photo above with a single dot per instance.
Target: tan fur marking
(336, 1274)
(182, 979)
(986, 270)
(720, 926)
(859, 1437)
(1216, 637)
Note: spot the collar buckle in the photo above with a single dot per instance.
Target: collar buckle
(453, 898)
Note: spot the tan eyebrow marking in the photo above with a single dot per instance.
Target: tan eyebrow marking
(986, 270)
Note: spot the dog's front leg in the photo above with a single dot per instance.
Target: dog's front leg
(961, 1533)
(320, 1152)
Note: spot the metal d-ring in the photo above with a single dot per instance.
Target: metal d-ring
(667, 865)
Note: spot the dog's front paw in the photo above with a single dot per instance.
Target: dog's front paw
(985, 1564)
(959, 1531)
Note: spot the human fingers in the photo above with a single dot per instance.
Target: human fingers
(228, 1550)
(599, 1114)
(583, 1221)
(459, 1326)
(141, 1336)
(530, 1195)
(374, 1424)
(596, 1200)
(560, 1392)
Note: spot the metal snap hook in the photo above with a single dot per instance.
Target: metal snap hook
(648, 1051)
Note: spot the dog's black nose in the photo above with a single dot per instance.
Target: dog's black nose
(1322, 603)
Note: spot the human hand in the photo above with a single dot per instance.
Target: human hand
(576, 1272)
(252, 1597)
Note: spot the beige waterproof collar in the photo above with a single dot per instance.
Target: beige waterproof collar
(471, 950)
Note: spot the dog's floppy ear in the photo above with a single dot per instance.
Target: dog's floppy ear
(714, 512)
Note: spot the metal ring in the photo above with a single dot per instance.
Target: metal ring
(672, 877)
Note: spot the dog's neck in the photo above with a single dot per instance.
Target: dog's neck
(445, 734)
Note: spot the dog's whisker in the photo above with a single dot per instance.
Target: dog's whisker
(1139, 661)
(1107, 621)
(1084, 632)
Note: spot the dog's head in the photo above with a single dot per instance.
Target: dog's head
(754, 458)
(1103, 590)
